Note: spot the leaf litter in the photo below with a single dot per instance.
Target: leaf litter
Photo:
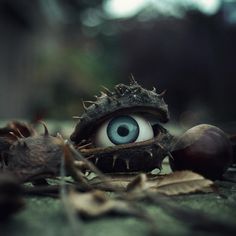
(23, 158)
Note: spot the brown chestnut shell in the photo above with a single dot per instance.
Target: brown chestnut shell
(132, 98)
(204, 149)
(132, 157)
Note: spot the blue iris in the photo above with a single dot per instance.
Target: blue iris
(123, 130)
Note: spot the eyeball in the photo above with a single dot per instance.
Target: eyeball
(123, 129)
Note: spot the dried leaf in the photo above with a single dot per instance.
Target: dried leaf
(117, 181)
(96, 203)
(180, 182)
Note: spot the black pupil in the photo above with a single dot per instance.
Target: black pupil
(123, 131)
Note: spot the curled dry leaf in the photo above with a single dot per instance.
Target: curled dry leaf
(179, 182)
(96, 203)
(118, 181)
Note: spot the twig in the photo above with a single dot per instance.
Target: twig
(93, 168)
(74, 220)
(74, 172)
(140, 211)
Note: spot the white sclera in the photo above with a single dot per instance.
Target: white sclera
(145, 132)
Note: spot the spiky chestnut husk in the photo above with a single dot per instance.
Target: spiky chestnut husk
(11, 196)
(123, 99)
(13, 131)
(204, 149)
(143, 156)
(35, 157)
(134, 157)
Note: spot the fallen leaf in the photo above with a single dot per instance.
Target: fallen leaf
(179, 182)
(96, 203)
(117, 181)
(182, 182)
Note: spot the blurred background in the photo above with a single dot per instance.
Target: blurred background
(55, 52)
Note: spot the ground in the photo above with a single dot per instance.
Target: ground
(44, 216)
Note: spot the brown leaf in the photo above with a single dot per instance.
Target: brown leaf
(180, 182)
(96, 203)
(140, 183)
(117, 181)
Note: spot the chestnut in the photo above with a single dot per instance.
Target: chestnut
(204, 149)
